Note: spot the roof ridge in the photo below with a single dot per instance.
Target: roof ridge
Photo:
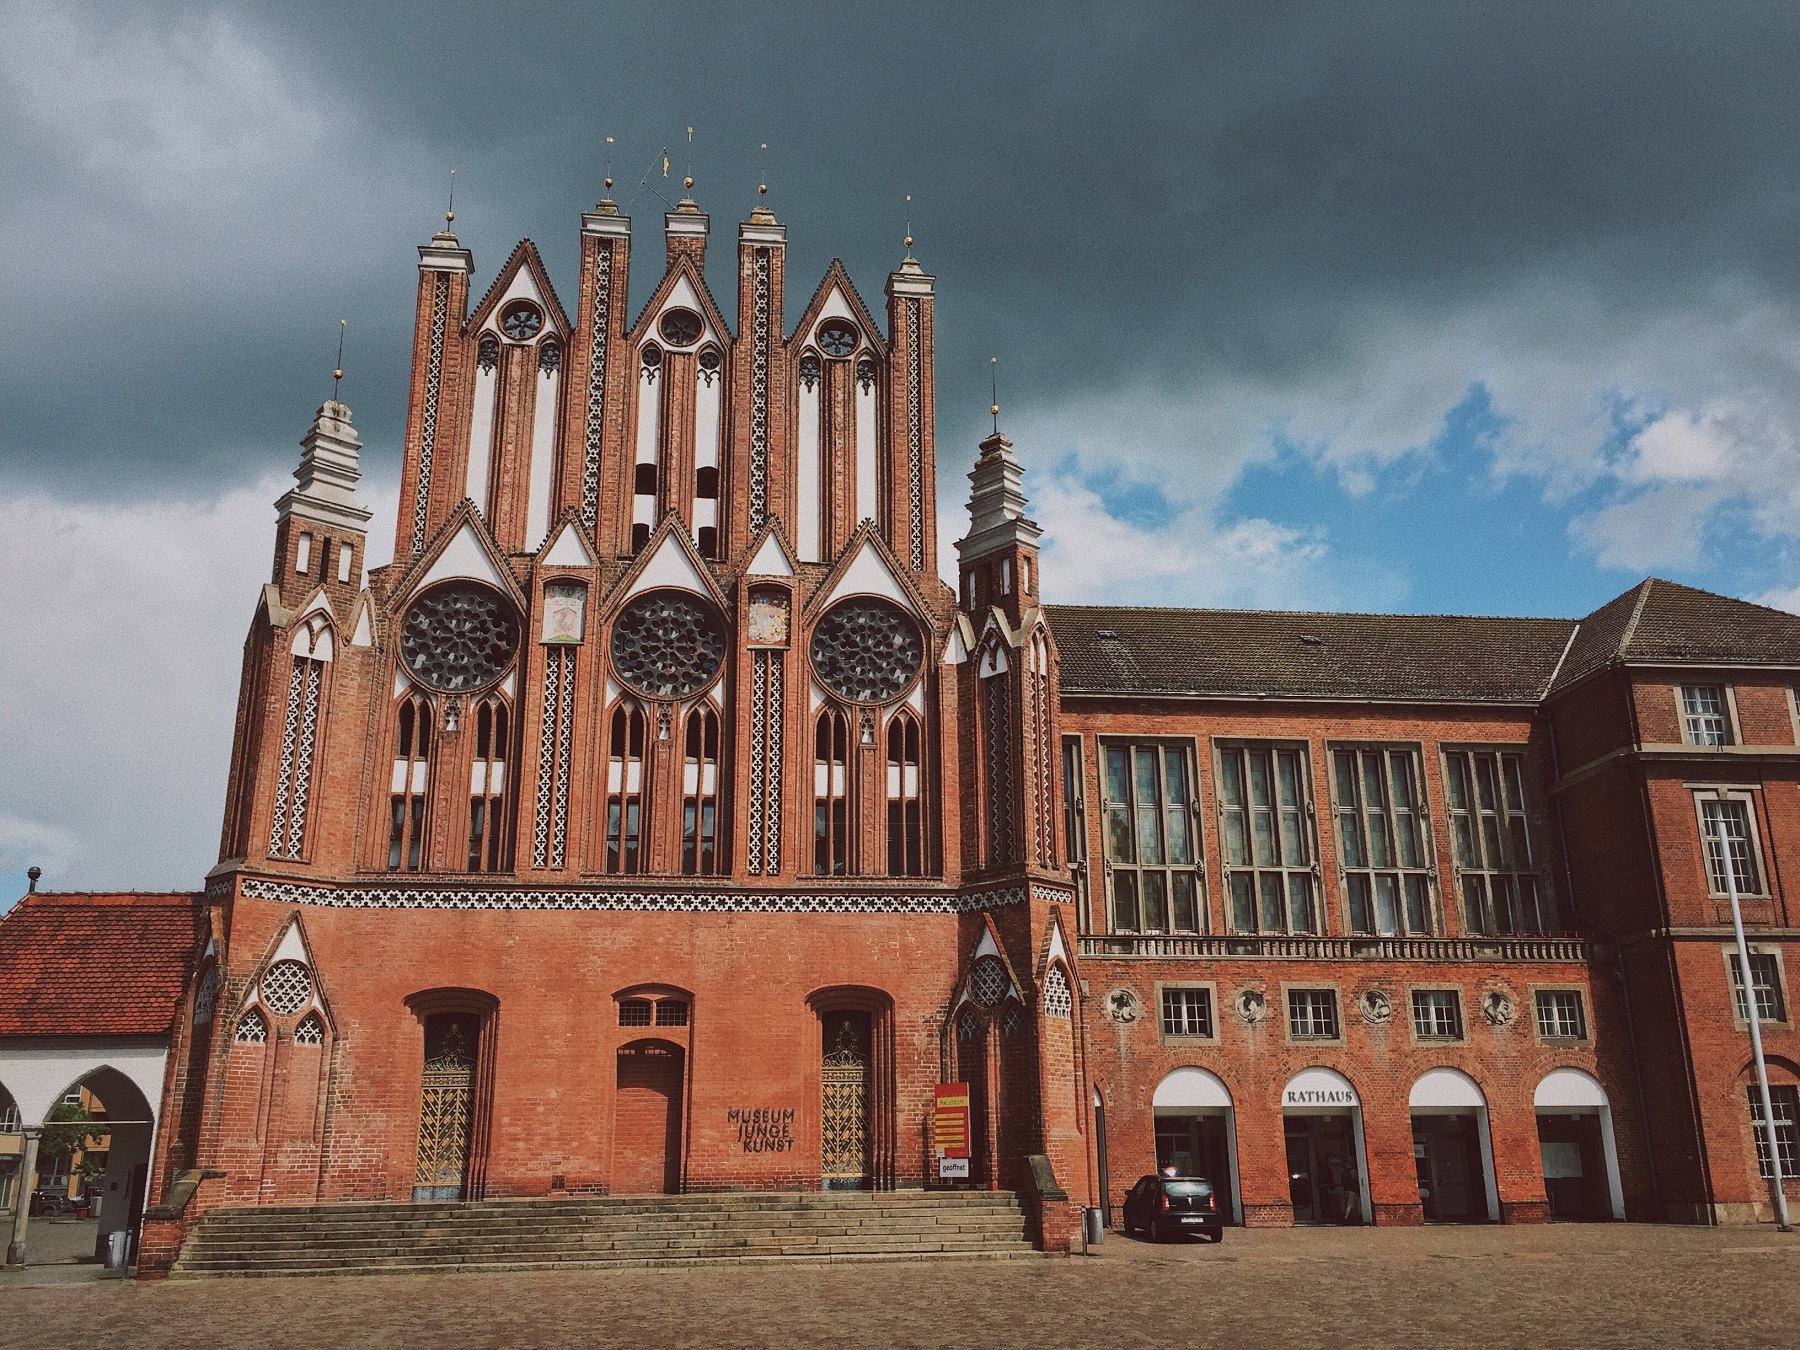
(1319, 613)
(1637, 612)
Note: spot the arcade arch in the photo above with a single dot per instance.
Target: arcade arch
(1575, 1141)
(1453, 1148)
(1196, 1131)
(1328, 1181)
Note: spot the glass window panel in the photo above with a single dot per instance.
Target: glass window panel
(1237, 843)
(1231, 777)
(1418, 905)
(1457, 784)
(1362, 912)
(1293, 839)
(1263, 832)
(1485, 788)
(1515, 783)
(1118, 786)
(1530, 917)
(1409, 847)
(1381, 848)
(1465, 842)
(1521, 843)
(1185, 901)
(1351, 840)
(1145, 758)
(1289, 776)
(1505, 911)
(1274, 908)
(1374, 794)
(1125, 902)
(1490, 839)
(1474, 905)
(1400, 779)
(1260, 789)
(1243, 903)
(1175, 791)
(1149, 833)
(1344, 763)
(1300, 903)
(1120, 846)
(1156, 902)
(1180, 835)
(1387, 902)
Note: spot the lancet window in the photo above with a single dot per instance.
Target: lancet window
(300, 735)
(831, 788)
(699, 794)
(625, 805)
(905, 815)
(487, 787)
(412, 770)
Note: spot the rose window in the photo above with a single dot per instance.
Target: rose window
(681, 327)
(988, 981)
(668, 644)
(521, 320)
(459, 636)
(286, 986)
(837, 338)
(867, 650)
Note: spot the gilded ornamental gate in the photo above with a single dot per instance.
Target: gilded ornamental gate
(844, 1114)
(446, 1108)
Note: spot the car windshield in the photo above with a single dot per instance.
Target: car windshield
(1184, 1187)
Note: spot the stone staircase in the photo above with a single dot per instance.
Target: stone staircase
(502, 1235)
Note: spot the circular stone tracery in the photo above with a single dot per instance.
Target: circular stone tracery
(668, 644)
(867, 650)
(459, 636)
(681, 327)
(286, 986)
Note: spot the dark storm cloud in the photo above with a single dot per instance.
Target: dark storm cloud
(1110, 195)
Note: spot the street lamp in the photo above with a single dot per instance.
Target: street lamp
(1754, 1018)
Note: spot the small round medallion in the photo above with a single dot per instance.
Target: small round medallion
(521, 320)
(681, 327)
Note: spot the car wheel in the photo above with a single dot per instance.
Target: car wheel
(1156, 1233)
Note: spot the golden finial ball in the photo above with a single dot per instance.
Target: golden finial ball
(608, 183)
(762, 189)
(687, 182)
(449, 216)
(337, 374)
(995, 410)
(908, 241)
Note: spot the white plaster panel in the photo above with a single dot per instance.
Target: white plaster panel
(868, 477)
(669, 566)
(869, 574)
(481, 437)
(1446, 1087)
(1192, 1087)
(543, 460)
(771, 560)
(806, 500)
(1569, 1088)
(464, 556)
(38, 1075)
(568, 550)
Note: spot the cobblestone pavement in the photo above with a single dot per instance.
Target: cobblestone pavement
(1493, 1287)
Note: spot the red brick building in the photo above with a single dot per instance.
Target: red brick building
(658, 820)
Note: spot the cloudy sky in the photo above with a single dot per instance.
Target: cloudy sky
(1491, 309)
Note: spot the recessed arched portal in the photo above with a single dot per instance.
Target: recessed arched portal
(1196, 1131)
(1322, 1121)
(1575, 1141)
(1453, 1150)
(647, 1118)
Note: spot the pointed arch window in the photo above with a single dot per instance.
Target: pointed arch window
(699, 794)
(487, 787)
(1059, 999)
(625, 805)
(252, 1029)
(831, 787)
(300, 736)
(905, 815)
(406, 797)
(310, 1031)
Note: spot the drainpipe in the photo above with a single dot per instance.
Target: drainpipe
(1637, 1065)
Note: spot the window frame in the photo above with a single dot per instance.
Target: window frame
(1727, 710)
(1746, 796)
(1537, 843)
(1422, 823)
(1288, 991)
(1538, 991)
(1739, 995)
(1163, 746)
(1208, 987)
(1461, 1035)
(1222, 747)
(1780, 1094)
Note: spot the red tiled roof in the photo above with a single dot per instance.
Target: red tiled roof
(91, 964)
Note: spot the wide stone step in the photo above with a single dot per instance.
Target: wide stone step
(274, 1241)
(684, 1223)
(491, 1252)
(592, 1241)
(667, 1205)
(1021, 1252)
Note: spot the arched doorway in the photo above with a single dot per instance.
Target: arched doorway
(1322, 1121)
(846, 1083)
(12, 1154)
(1196, 1132)
(1575, 1141)
(458, 1030)
(1452, 1148)
(647, 1106)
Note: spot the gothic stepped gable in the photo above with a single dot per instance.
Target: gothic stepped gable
(624, 1232)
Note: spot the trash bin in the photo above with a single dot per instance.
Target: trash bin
(115, 1249)
(1094, 1226)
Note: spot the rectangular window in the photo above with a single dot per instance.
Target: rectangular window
(1075, 822)
(1264, 808)
(634, 1012)
(1785, 1098)
(1437, 1015)
(1560, 1016)
(1765, 976)
(1705, 716)
(1152, 850)
(1313, 1014)
(1381, 840)
(1725, 829)
(346, 556)
(1499, 865)
(1187, 1012)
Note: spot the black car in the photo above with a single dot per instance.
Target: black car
(1166, 1206)
(51, 1200)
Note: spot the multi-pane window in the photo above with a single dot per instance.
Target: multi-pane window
(1765, 978)
(700, 794)
(634, 1012)
(905, 818)
(831, 788)
(1497, 861)
(1381, 840)
(1187, 1012)
(1725, 831)
(406, 800)
(1147, 797)
(1437, 1014)
(625, 789)
(1313, 1014)
(1560, 1016)
(487, 788)
(671, 1012)
(1263, 810)
(1785, 1098)
(1075, 820)
(1705, 716)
